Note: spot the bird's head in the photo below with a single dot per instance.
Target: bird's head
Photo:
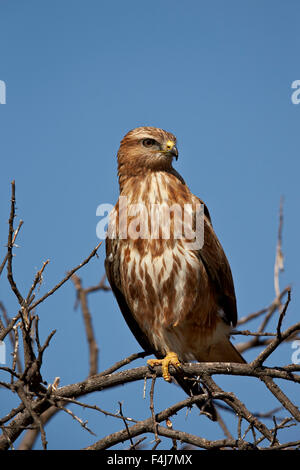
(146, 149)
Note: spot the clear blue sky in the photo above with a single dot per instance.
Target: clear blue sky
(79, 75)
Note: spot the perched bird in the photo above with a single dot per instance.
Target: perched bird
(178, 299)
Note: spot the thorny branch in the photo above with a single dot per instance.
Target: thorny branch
(38, 403)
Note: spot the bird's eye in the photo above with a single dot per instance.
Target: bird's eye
(149, 142)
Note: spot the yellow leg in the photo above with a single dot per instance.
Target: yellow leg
(171, 358)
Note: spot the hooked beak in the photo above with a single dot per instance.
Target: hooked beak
(171, 149)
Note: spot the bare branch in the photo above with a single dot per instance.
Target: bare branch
(66, 278)
(10, 245)
(93, 348)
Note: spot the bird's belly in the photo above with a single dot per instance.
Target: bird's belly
(168, 293)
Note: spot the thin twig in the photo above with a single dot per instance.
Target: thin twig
(282, 314)
(10, 245)
(125, 422)
(92, 343)
(66, 278)
(157, 440)
(13, 242)
(37, 280)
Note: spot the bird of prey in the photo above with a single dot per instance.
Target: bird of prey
(177, 298)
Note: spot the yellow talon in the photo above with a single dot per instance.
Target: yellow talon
(171, 358)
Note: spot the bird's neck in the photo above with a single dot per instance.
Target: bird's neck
(150, 186)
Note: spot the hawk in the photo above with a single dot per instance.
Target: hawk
(178, 299)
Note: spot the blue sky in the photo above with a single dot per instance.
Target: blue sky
(79, 75)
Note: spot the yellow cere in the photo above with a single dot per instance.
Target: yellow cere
(170, 144)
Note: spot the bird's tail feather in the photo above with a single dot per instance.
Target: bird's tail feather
(224, 351)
